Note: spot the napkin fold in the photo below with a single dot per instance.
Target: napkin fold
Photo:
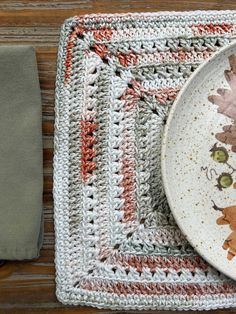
(21, 174)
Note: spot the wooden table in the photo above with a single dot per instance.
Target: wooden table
(28, 287)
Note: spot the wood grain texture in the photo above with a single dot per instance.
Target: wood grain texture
(29, 287)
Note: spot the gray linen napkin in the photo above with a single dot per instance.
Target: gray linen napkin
(21, 175)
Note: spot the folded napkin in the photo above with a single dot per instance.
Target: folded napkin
(20, 154)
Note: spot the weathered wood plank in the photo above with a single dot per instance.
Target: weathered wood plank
(40, 36)
(28, 14)
(47, 157)
(48, 127)
(47, 184)
(86, 310)
(58, 309)
(116, 5)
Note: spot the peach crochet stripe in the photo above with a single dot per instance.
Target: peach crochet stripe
(70, 45)
(87, 151)
(188, 289)
(201, 29)
(155, 263)
(130, 99)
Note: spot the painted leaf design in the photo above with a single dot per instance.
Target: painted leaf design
(228, 136)
(230, 245)
(228, 217)
(226, 98)
(226, 102)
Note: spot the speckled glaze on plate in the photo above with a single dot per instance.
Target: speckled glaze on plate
(199, 160)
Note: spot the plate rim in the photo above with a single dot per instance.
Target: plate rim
(170, 117)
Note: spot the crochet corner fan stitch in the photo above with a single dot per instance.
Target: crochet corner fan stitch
(117, 244)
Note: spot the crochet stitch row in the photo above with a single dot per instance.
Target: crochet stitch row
(117, 244)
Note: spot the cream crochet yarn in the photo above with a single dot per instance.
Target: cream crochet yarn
(117, 244)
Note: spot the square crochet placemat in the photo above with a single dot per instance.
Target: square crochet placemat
(117, 244)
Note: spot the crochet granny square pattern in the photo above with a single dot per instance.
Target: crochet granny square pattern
(117, 244)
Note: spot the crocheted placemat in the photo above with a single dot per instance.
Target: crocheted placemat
(117, 244)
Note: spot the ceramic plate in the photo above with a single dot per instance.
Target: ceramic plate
(199, 160)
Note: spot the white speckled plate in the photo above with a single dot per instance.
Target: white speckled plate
(199, 160)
